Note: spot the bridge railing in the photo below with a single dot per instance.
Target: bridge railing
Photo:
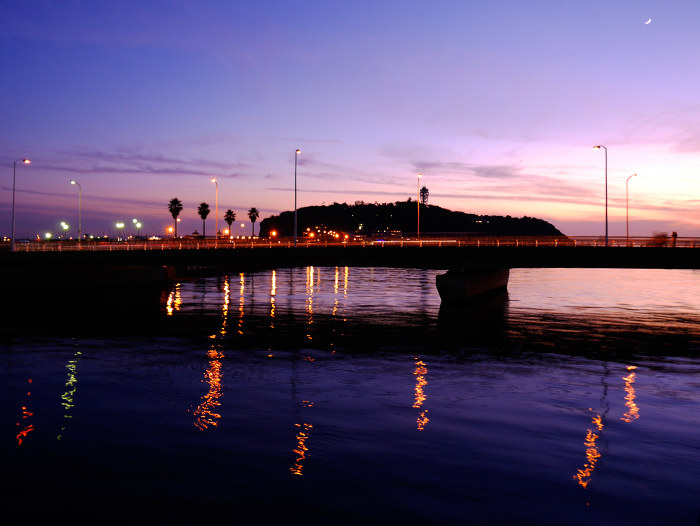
(423, 241)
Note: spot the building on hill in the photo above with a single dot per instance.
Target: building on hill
(424, 195)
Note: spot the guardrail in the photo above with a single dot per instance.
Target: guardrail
(427, 241)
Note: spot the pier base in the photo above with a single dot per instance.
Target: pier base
(460, 287)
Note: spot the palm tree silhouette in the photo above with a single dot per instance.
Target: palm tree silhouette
(203, 211)
(175, 207)
(229, 217)
(253, 214)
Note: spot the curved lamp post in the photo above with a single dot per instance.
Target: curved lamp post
(14, 176)
(606, 190)
(418, 187)
(216, 212)
(80, 204)
(627, 205)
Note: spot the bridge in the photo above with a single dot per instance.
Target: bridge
(55, 265)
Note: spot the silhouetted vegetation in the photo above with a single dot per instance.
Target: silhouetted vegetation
(203, 211)
(175, 207)
(402, 216)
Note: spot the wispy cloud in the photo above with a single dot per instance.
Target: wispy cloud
(137, 160)
(476, 170)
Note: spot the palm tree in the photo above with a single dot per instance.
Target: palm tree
(253, 214)
(175, 207)
(203, 211)
(229, 217)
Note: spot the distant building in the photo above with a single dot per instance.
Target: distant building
(424, 196)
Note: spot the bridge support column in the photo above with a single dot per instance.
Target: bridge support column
(458, 286)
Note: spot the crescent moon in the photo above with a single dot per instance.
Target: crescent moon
(648, 21)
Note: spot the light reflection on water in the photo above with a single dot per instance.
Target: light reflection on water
(317, 399)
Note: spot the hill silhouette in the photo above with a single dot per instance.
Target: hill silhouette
(372, 218)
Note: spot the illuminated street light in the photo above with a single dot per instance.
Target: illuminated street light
(65, 229)
(119, 227)
(242, 225)
(296, 155)
(606, 191)
(418, 186)
(80, 204)
(134, 221)
(14, 176)
(47, 235)
(627, 205)
(216, 211)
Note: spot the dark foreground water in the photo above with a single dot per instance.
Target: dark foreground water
(350, 396)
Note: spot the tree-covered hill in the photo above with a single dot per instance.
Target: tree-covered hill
(369, 218)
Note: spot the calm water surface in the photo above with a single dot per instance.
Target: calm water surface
(351, 396)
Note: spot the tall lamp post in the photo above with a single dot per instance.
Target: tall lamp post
(296, 155)
(627, 205)
(14, 176)
(216, 211)
(418, 187)
(119, 230)
(606, 191)
(80, 205)
(135, 222)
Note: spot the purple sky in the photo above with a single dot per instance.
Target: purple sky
(497, 103)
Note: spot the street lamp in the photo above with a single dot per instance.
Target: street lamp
(14, 176)
(418, 187)
(138, 229)
(627, 205)
(216, 211)
(242, 225)
(134, 221)
(65, 229)
(119, 227)
(606, 191)
(80, 204)
(296, 155)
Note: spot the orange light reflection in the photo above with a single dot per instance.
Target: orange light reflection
(241, 304)
(205, 411)
(301, 449)
(420, 372)
(632, 410)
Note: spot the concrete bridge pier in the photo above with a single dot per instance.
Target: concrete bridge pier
(458, 286)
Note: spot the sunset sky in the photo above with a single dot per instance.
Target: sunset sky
(497, 103)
